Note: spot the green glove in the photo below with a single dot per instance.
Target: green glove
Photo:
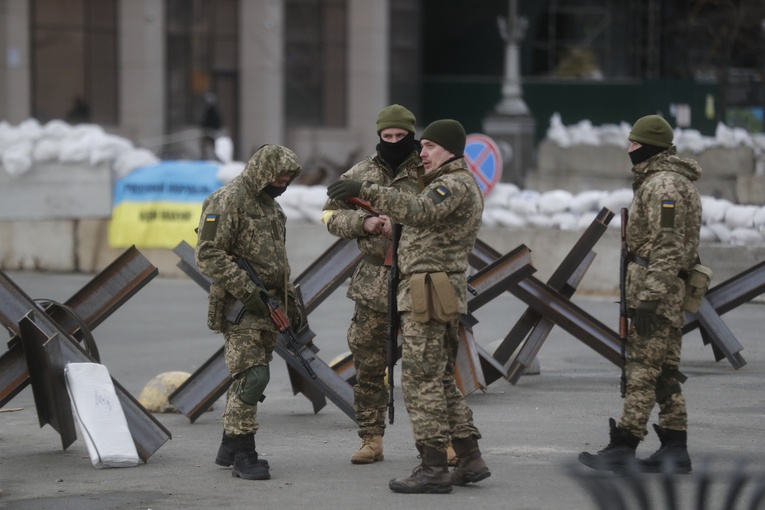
(295, 316)
(256, 302)
(646, 319)
(344, 188)
(294, 312)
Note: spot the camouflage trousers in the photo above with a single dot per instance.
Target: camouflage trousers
(652, 363)
(247, 345)
(437, 410)
(367, 340)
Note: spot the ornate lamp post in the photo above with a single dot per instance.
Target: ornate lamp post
(511, 124)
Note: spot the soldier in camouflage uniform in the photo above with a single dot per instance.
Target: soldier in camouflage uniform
(440, 226)
(663, 240)
(243, 219)
(395, 163)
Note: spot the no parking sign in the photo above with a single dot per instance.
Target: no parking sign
(484, 160)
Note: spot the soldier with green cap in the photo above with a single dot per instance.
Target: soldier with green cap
(663, 239)
(440, 225)
(396, 163)
(243, 219)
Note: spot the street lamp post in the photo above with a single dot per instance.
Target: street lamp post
(511, 124)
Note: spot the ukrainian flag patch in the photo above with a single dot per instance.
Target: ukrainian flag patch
(210, 227)
(439, 193)
(668, 214)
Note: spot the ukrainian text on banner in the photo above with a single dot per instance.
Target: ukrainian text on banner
(158, 206)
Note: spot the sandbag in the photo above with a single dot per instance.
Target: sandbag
(99, 415)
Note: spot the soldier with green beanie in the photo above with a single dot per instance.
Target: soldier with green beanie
(663, 239)
(243, 219)
(440, 225)
(396, 163)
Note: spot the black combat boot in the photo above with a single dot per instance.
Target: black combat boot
(431, 476)
(230, 444)
(619, 455)
(470, 467)
(672, 457)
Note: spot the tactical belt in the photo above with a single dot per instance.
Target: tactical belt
(642, 261)
(374, 260)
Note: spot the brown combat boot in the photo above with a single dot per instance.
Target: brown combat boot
(431, 476)
(371, 450)
(451, 456)
(470, 467)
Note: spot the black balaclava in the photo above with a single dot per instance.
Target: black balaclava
(396, 153)
(274, 191)
(644, 152)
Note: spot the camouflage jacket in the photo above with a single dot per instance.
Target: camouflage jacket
(240, 219)
(440, 225)
(369, 283)
(663, 228)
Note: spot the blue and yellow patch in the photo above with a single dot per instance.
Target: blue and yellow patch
(439, 193)
(210, 227)
(667, 213)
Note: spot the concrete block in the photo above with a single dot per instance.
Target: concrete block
(582, 160)
(56, 191)
(750, 189)
(724, 161)
(38, 245)
(576, 183)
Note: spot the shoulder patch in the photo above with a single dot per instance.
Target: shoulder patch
(210, 227)
(667, 213)
(439, 193)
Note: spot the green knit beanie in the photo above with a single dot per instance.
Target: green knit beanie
(652, 130)
(395, 116)
(447, 133)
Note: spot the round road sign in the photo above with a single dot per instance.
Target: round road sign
(484, 160)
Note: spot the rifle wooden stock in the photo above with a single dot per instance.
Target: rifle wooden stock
(623, 319)
(278, 318)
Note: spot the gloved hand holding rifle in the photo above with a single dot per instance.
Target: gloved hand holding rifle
(263, 302)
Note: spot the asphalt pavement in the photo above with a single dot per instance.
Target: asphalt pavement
(532, 432)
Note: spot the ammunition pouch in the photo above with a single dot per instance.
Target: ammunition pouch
(433, 297)
(665, 390)
(696, 286)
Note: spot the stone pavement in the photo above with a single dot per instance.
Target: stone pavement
(532, 431)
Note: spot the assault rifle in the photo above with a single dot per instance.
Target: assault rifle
(393, 317)
(391, 260)
(623, 324)
(276, 314)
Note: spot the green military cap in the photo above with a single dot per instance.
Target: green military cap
(652, 130)
(447, 133)
(395, 116)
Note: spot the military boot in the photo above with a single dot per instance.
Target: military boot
(619, 455)
(229, 445)
(451, 456)
(431, 476)
(470, 467)
(672, 457)
(246, 466)
(371, 450)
